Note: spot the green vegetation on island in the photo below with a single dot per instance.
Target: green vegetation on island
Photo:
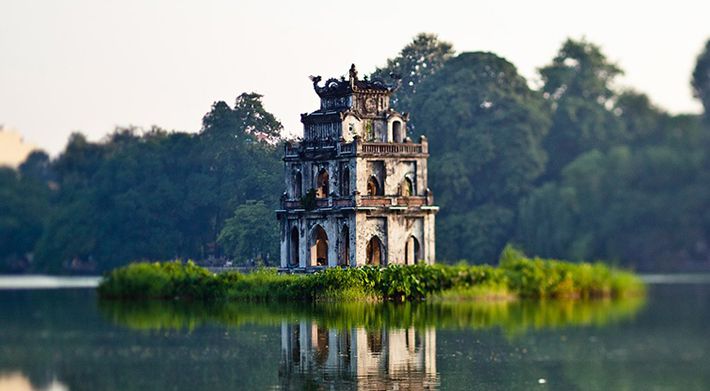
(516, 277)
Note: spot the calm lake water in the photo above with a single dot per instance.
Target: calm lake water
(66, 339)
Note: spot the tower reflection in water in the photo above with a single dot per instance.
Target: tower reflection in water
(357, 357)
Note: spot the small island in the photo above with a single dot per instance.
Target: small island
(516, 276)
(356, 222)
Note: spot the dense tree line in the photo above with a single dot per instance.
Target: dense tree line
(575, 169)
(142, 195)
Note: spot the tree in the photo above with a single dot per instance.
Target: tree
(239, 157)
(486, 127)
(701, 79)
(417, 61)
(577, 85)
(641, 120)
(160, 195)
(248, 235)
(37, 166)
(24, 205)
(644, 207)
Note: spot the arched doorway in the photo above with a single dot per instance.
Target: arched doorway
(407, 187)
(293, 259)
(319, 247)
(373, 186)
(373, 252)
(345, 182)
(297, 185)
(397, 131)
(344, 256)
(322, 184)
(412, 254)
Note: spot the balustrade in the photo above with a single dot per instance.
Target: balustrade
(352, 147)
(383, 148)
(367, 201)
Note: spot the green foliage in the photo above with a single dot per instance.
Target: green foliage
(157, 195)
(24, 204)
(245, 236)
(166, 280)
(701, 79)
(517, 276)
(417, 61)
(485, 127)
(620, 205)
(578, 86)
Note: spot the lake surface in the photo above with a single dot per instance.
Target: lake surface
(66, 339)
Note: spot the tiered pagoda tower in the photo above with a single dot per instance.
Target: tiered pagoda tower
(356, 184)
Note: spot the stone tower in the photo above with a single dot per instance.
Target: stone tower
(356, 184)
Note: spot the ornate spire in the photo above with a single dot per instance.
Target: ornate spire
(353, 73)
(338, 88)
(353, 76)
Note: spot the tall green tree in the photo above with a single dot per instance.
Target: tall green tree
(417, 61)
(249, 236)
(240, 156)
(578, 87)
(485, 127)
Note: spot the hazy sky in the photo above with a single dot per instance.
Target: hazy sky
(89, 65)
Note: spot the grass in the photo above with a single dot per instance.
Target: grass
(516, 277)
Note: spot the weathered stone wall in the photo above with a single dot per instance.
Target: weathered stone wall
(306, 224)
(367, 228)
(352, 126)
(429, 242)
(401, 227)
(309, 174)
(390, 173)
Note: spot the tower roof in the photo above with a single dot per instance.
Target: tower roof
(340, 87)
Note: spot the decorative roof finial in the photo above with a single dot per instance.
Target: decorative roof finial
(353, 72)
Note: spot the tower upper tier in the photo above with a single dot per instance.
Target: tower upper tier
(354, 107)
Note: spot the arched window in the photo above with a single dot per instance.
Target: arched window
(412, 254)
(297, 185)
(322, 184)
(373, 186)
(319, 247)
(397, 132)
(344, 256)
(293, 259)
(373, 252)
(407, 187)
(345, 182)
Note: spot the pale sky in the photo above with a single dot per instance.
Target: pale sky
(90, 65)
